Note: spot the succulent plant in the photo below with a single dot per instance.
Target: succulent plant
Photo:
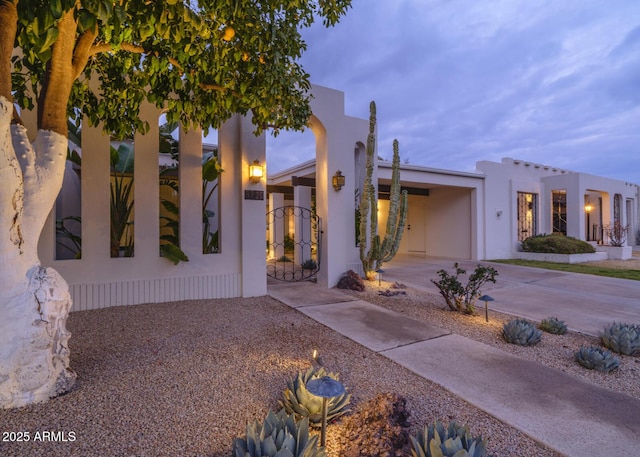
(553, 325)
(455, 440)
(622, 338)
(521, 332)
(278, 436)
(301, 402)
(309, 264)
(595, 358)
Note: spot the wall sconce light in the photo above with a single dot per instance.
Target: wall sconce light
(338, 180)
(256, 172)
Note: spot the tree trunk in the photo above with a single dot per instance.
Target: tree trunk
(34, 301)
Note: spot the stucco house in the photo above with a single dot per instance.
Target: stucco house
(453, 214)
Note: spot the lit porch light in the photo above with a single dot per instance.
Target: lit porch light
(256, 172)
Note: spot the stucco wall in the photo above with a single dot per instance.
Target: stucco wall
(505, 179)
(449, 224)
(97, 280)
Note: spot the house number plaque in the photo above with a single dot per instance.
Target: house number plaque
(254, 194)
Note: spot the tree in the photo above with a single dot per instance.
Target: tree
(202, 60)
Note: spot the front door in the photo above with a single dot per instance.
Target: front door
(416, 226)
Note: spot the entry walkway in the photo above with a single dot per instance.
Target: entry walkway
(567, 414)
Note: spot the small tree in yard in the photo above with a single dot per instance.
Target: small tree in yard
(203, 61)
(459, 297)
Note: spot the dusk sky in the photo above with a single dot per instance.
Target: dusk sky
(457, 81)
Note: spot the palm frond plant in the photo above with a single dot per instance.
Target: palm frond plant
(211, 170)
(122, 202)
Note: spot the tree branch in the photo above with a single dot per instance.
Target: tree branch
(82, 51)
(8, 29)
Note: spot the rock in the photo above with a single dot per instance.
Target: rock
(351, 281)
(378, 428)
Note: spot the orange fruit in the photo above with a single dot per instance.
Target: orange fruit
(229, 33)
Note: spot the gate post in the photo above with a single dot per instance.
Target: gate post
(302, 199)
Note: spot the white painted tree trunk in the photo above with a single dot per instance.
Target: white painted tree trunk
(34, 301)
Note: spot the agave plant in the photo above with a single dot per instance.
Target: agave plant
(436, 440)
(553, 325)
(622, 338)
(278, 436)
(595, 358)
(299, 401)
(521, 332)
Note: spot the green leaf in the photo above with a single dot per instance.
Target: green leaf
(86, 20)
(56, 8)
(50, 38)
(173, 253)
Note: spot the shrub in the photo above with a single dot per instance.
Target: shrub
(278, 435)
(309, 264)
(283, 258)
(437, 441)
(521, 332)
(459, 297)
(617, 233)
(622, 338)
(553, 325)
(595, 358)
(556, 244)
(299, 401)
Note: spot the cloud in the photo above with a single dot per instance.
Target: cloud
(457, 81)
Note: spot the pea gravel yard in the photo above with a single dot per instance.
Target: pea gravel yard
(183, 379)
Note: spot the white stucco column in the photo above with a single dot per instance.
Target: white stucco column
(336, 136)
(146, 188)
(96, 197)
(190, 173)
(276, 226)
(302, 234)
(253, 213)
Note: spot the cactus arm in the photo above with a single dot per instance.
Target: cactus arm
(394, 200)
(393, 249)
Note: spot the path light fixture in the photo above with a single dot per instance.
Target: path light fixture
(256, 172)
(338, 181)
(379, 271)
(325, 387)
(315, 357)
(486, 299)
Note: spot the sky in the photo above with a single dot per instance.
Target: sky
(555, 82)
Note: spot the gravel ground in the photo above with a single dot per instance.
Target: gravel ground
(183, 379)
(555, 351)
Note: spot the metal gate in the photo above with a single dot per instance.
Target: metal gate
(294, 236)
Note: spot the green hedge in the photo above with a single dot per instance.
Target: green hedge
(556, 244)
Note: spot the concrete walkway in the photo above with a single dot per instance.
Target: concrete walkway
(572, 416)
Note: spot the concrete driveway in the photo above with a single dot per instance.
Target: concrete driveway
(587, 303)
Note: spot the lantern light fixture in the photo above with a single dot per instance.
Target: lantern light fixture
(338, 180)
(256, 172)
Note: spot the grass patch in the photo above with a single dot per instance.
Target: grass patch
(575, 268)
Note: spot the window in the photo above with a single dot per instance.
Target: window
(527, 215)
(559, 208)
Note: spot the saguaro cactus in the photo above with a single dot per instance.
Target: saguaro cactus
(374, 252)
